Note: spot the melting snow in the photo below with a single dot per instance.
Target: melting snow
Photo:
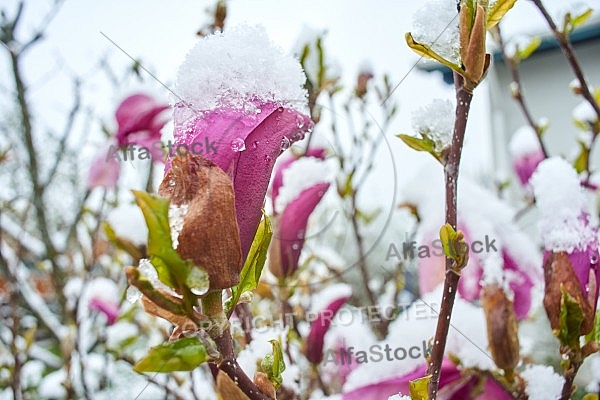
(561, 202)
(436, 121)
(239, 66)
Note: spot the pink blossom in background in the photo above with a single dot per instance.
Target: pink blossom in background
(108, 308)
(453, 386)
(140, 119)
(316, 152)
(526, 153)
(103, 172)
(316, 337)
(290, 224)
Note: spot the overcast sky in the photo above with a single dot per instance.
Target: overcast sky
(159, 33)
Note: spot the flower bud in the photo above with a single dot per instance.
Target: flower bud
(501, 327)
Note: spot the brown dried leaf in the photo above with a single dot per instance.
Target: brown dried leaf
(558, 272)
(501, 327)
(264, 384)
(210, 236)
(227, 389)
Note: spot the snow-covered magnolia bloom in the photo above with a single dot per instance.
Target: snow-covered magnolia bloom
(293, 208)
(241, 104)
(453, 386)
(316, 337)
(570, 240)
(140, 119)
(526, 153)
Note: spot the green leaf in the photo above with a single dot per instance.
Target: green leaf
(594, 335)
(418, 388)
(172, 270)
(571, 317)
(581, 162)
(421, 144)
(571, 23)
(425, 51)
(254, 264)
(532, 46)
(497, 11)
(273, 364)
(145, 286)
(448, 236)
(180, 355)
(121, 243)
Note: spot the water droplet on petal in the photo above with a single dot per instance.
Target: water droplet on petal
(280, 109)
(198, 281)
(300, 121)
(255, 144)
(133, 294)
(594, 258)
(238, 145)
(295, 246)
(268, 159)
(285, 143)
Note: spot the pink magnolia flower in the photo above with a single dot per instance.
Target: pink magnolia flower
(290, 224)
(108, 308)
(470, 285)
(140, 118)
(318, 329)
(571, 257)
(453, 385)
(103, 172)
(526, 153)
(242, 108)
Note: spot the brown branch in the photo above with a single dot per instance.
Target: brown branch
(451, 171)
(567, 49)
(518, 93)
(212, 307)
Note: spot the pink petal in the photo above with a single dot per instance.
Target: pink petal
(262, 135)
(400, 384)
(109, 309)
(318, 329)
(521, 286)
(317, 152)
(453, 386)
(525, 166)
(138, 112)
(292, 227)
(104, 171)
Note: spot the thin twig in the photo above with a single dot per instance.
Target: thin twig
(518, 93)
(451, 171)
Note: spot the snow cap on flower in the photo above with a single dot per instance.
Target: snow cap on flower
(237, 67)
(242, 103)
(526, 153)
(561, 203)
(436, 121)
